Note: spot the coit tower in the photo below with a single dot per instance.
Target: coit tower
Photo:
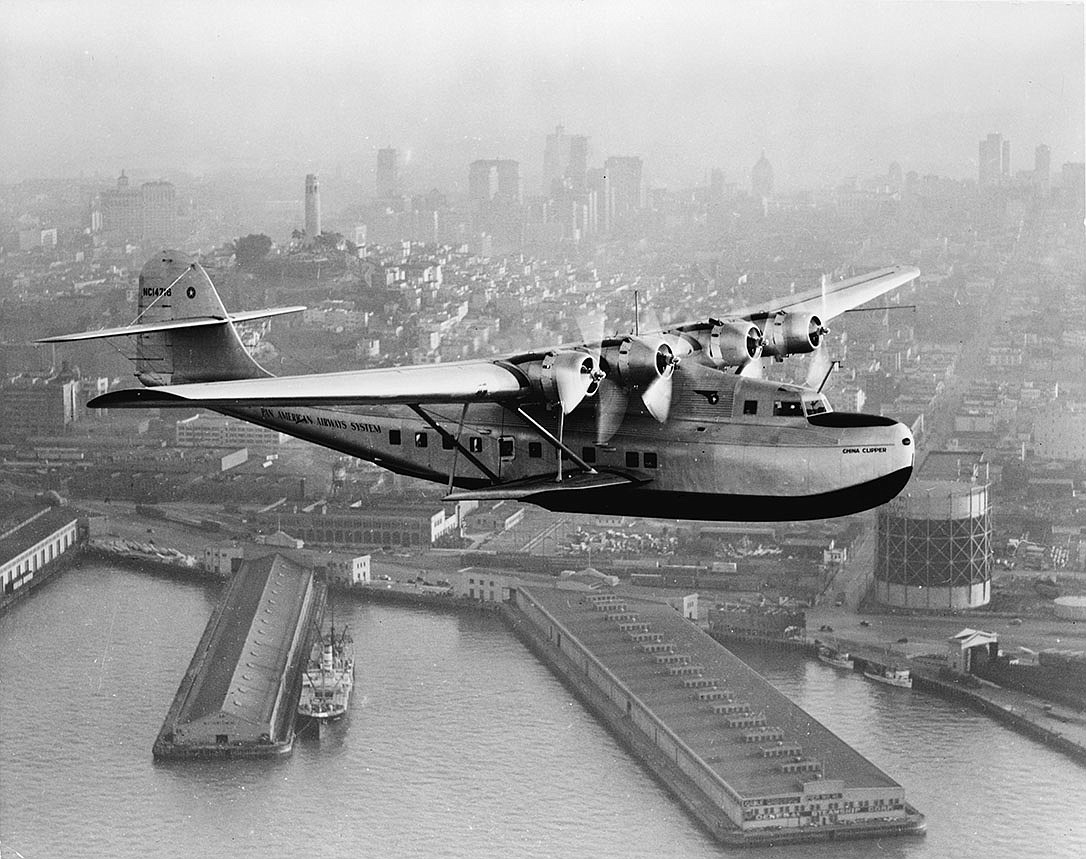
(312, 206)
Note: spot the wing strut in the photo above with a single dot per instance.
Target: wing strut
(445, 434)
(456, 450)
(559, 446)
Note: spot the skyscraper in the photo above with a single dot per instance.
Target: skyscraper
(122, 209)
(148, 213)
(993, 161)
(159, 210)
(622, 175)
(494, 178)
(565, 161)
(388, 180)
(312, 206)
(1042, 166)
(761, 178)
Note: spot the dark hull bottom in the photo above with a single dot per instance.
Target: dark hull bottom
(666, 504)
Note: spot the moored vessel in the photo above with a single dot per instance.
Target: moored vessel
(890, 675)
(836, 658)
(328, 678)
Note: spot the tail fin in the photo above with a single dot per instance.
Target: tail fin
(183, 333)
(173, 288)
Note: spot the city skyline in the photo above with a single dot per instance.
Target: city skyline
(826, 90)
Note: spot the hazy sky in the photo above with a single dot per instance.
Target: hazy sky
(825, 88)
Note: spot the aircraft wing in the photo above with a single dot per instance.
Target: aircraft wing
(461, 382)
(840, 296)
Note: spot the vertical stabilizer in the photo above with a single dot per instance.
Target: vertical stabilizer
(173, 287)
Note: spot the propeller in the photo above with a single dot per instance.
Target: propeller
(820, 361)
(572, 376)
(644, 365)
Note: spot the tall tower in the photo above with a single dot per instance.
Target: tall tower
(122, 209)
(761, 178)
(993, 161)
(1042, 166)
(159, 211)
(388, 180)
(565, 160)
(312, 206)
(482, 180)
(625, 192)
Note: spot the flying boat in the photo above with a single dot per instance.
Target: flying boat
(675, 423)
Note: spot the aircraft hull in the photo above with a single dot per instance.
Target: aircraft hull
(716, 507)
(720, 476)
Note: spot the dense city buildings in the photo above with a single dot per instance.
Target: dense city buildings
(128, 213)
(418, 277)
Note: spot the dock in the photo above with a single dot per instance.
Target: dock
(752, 766)
(239, 696)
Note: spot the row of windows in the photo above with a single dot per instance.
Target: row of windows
(507, 449)
(788, 408)
(37, 560)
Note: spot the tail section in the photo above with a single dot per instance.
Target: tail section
(182, 331)
(173, 288)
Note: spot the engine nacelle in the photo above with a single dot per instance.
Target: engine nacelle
(564, 378)
(639, 361)
(792, 334)
(733, 344)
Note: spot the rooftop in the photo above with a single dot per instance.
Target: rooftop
(246, 655)
(738, 763)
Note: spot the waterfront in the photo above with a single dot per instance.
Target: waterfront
(459, 744)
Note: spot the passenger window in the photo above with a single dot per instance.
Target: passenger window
(475, 444)
(393, 436)
(787, 409)
(750, 407)
(650, 460)
(506, 447)
(588, 454)
(632, 459)
(535, 449)
(421, 440)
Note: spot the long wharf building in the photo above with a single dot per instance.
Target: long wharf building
(239, 695)
(750, 764)
(30, 540)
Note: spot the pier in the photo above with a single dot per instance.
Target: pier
(239, 695)
(753, 767)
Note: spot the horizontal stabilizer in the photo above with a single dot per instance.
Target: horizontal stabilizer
(522, 490)
(463, 382)
(169, 325)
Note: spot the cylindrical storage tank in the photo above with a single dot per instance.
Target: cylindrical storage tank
(934, 548)
(1071, 608)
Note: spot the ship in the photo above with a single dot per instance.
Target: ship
(328, 678)
(890, 675)
(836, 658)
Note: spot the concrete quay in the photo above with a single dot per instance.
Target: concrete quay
(751, 766)
(1062, 728)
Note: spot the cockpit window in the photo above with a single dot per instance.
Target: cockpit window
(816, 405)
(787, 409)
